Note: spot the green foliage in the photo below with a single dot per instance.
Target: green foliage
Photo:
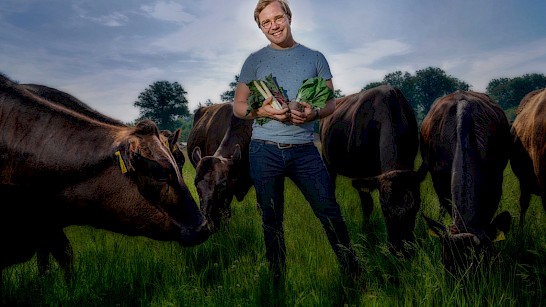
(163, 102)
(229, 95)
(508, 92)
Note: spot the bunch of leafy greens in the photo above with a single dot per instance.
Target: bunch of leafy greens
(313, 91)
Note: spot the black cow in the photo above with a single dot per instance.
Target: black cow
(465, 144)
(218, 143)
(372, 138)
(528, 160)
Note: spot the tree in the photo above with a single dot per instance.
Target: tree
(229, 96)
(164, 103)
(422, 89)
(509, 92)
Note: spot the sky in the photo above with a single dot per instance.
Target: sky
(106, 52)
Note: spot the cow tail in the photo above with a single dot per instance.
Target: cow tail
(466, 181)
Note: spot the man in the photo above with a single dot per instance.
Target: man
(283, 147)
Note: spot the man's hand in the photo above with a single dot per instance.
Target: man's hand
(300, 117)
(267, 110)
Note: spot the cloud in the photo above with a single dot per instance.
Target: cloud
(168, 11)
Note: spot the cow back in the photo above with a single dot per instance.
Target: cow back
(369, 133)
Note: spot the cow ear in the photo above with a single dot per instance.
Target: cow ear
(366, 184)
(435, 228)
(176, 136)
(196, 155)
(236, 156)
(501, 225)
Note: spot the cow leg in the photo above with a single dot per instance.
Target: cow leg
(524, 199)
(442, 185)
(61, 250)
(366, 201)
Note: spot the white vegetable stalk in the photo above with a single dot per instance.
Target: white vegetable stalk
(266, 93)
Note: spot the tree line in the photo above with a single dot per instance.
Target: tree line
(166, 103)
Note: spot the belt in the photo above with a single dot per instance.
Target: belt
(284, 145)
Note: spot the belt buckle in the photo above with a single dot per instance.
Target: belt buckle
(284, 146)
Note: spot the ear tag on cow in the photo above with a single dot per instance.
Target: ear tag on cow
(167, 143)
(121, 163)
(500, 236)
(432, 233)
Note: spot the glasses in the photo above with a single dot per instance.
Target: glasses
(279, 19)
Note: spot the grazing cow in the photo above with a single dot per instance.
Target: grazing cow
(57, 244)
(528, 160)
(372, 138)
(465, 141)
(218, 144)
(71, 169)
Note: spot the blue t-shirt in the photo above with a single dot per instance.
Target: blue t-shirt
(290, 67)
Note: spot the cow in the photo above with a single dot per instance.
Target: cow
(372, 138)
(58, 244)
(464, 142)
(528, 157)
(218, 144)
(72, 169)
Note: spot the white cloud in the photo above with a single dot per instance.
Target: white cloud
(168, 11)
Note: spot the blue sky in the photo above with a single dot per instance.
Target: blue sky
(106, 52)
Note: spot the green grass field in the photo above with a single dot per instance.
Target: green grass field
(230, 268)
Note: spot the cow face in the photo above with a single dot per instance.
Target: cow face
(400, 199)
(463, 250)
(215, 185)
(151, 165)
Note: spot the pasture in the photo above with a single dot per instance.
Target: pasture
(230, 268)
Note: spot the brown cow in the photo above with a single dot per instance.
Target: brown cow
(528, 158)
(58, 244)
(465, 141)
(372, 138)
(117, 178)
(218, 143)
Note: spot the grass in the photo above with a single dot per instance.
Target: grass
(230, 268)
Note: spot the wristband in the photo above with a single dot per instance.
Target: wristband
(316, 113)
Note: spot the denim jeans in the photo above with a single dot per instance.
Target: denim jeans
(269, 166)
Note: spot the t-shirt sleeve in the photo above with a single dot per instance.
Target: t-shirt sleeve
(323, 68)
(247, 71)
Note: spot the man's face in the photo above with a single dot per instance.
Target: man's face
(275, 24)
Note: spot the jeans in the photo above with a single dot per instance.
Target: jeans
(269, 166)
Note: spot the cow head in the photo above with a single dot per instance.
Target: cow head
(400, 199)
(215, 184)
(145, 159)
(461, 249)
(171, 141)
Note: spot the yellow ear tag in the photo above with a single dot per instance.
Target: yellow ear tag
(121, 163)
(432, 233)
(500, 236)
